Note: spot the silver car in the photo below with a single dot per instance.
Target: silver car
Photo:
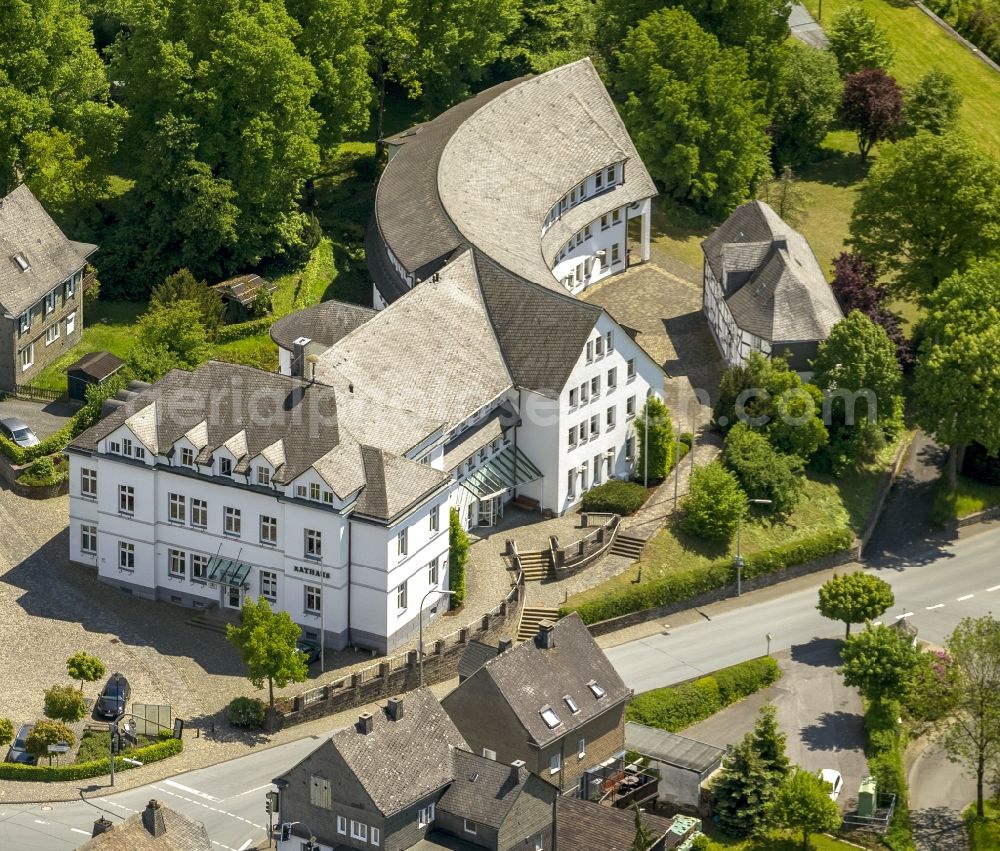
(17, 430)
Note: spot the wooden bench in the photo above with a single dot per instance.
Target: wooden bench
(527, 503)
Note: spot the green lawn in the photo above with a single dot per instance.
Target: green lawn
(97, 745)
(984, 835)
(968, 497)
(775, 841)
(921, 45)
(828, 503)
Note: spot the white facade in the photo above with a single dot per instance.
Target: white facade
(734, 343)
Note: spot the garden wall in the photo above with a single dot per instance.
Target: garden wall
(9, 473)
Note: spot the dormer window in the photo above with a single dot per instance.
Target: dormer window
(571, 704)
(22, 262)
(126, 446)
(549, 717)
(314, 491)
(24, 322)
(50, 301)
(596, 689)
(187, 457)
(225, 467)
(263, 476)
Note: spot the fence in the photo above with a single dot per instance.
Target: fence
(37, 394)
(400, 673)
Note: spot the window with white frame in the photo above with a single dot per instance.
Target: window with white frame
(126, 555)
(595, 386)
(24, 322)
(611, 174)
(232, 520)
(376, 836)
(199, 566)
(401, 597)
(434, 518)
(630, 369)
(268, 529)
(401, 542)
(599, 346)
(590, 351)
(199, 512)
(127, 446)
(425, 815)
(609, 341)
(583, 431)
(572, 436)
(314, 491)
(115, 447)
(612, 378)
(314, 602)
(313, 543)
(88, 482)
(555, 763)
(571, 703)
(342, 825)
(468, 826)
(50, 302)
(599, 179)
(583, 476)
(616, 253)
(269, 585)
(176, 508)
(225, 466)
(595, 425)
(263, 476)
(359, 830)
(539, 845)
(549, 717)
(319, 792)
(52, 333)
(177, 562)
(27, 356)
(432, 573)
(630, 448)
(630, 407)
(88, 539)
(581, 748)
(616, 216)
(187, 456)
(139, 453)
(571, 484)
(126, 499)
(572, 397)
(69, 287)
(598, 468)
(588, 232)
(610, 417)
(328, 497)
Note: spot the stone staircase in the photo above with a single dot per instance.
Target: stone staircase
(536, 565)
(531, 617)
(213, 619)
(627, 546)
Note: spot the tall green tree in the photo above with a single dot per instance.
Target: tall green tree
(56, 118)
(654, 437)
(770, 742)
(266, 640)
(859, 42)
(879, 661)
(803, 803)
(974, 737)
(928, 208)
(807, 96)
(64, 703)
(693, 112)
(714, 503)
(84, 667)
(762, 471)
(168, 336)
(932, 103)
(46, 733)
(549, 33)
(956, 387)
(183, 286)
(854, 598)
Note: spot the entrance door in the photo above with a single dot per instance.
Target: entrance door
(490, 510)
(231, 596)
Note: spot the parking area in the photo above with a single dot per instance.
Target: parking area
(43, 418)
(821, 717)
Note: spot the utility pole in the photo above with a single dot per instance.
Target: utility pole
(113, 730)
(645, 445)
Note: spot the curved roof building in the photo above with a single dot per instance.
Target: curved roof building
(538, 175)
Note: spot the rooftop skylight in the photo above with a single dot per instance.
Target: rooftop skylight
(549, 717)
(596, 689)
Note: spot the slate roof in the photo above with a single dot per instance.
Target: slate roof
(483, 790)
(392, 484)
(530, 677)
(26, 229)
(323, 323)
(97, 365)
(159, 829)
(775, 288)
(482, 434)
(586, 826)
(671, 748)
(243, 288)
(400, 762)
(475, 655)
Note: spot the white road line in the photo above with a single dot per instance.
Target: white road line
(191, 791)
(223, 846)
(39, 821)
(966, 597)
(120, 806)
(207, 807)
(904, 615)
(250, 791)
(931, 608)
(77, 830)
(994, 588)
(245, 845)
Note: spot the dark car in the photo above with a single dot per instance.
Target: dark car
(309, 649)
(17, 751)
(17, 430)
(114, 696)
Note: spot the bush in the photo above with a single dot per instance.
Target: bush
(656, 450)
(47, 733)
(713, 504)
(885, 744)
(684, 584)
(762, 472)
(458, 553)
(6, 731)
(616, 497)
(246, 712)
(676, 707)
(64, 703)
(244, 330)
(92, 768)
(45, 471)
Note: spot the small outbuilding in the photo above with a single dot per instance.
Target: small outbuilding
(90, 370)
(685, 765)
(243, 289)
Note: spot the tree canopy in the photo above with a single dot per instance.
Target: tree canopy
(655, 450)
(762, 471)
(6, 731)
(714, 503)
(879, 662)
(932, 103)
(168, 336)
(854, 598)
(928, 208)
(693, 111)
(85, 668)
(871, 106)
(803, 803)
(64, 703)
(549, 33)
(46, 733)
(855, 283)
(183, 286)
(859, 42)
(808, 93)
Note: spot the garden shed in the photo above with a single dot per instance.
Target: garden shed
(684, 764)
(90, 370)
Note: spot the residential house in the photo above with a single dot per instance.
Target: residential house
(764, 289)
(555, 703)
(537, 174)
(156, 828)
(41, 289)
(582, 826)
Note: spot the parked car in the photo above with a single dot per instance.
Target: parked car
(834, 780)
(17, 751)
(113, 698)
(17, 430)
(309, 649)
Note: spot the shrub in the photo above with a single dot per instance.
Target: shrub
(64, 703)
(676, 707)
(656, 450)
(6, 731)
(616, 497)
(762, 472)
(884, 747)
(92, 768)
(458, 553)
(246, 712)
(44, 471)
(244, 330)
(713, 504)
(46, 733)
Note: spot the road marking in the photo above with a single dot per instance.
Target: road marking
(938, 606)
(207, 807)
(223, 846)
(77, 830)
(245, 845)
(250, 791)
(120, 806)
(39, 821)
(904, 615)
(191, 791)
(994, 588)
(966, 597)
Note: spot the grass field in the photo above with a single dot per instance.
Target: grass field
(984, 835)
(775, 841)
(968, 497)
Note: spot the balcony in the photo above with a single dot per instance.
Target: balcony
(614, 786)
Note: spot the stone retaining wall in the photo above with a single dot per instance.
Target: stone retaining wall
(9, 473)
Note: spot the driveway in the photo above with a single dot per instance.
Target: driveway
(44, 418)
(820, 716)
(939, 791)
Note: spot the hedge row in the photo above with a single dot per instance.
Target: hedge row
(884, 748)
(684, 584)
(93, 768)
(53, 443)
(231, 333)
(615, 497)
(677, 707)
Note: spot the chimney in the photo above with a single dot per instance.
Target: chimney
(546, 635)
(152, 819)
(505, 645)
(395, 708)
(298, 366)
(515, 770)
(102, 825)
(779, 243)
(366, 723)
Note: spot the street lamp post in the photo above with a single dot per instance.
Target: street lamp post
(769, 637)
(739, 550)
(420, 618)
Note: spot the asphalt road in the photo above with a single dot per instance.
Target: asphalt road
(936, 588)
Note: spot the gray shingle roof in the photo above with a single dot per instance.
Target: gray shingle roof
(324, 323)
(671, 748)
(400, 762)
(483, 434)
(475, 655)
(392, 484)
(586, 826)
(26, 229)
(530, 677)
(97, 365)
(176, 832)
(780, 293)
(483, 790)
